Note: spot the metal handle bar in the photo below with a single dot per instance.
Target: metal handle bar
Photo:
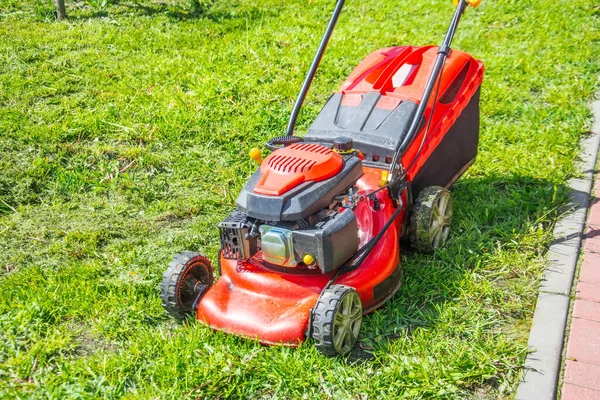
(313, 67)
(443, 53)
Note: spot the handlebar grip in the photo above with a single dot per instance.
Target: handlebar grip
(472, 3)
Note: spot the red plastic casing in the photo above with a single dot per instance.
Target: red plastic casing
(254, 300)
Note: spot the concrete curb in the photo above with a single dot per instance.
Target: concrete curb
(542, 366)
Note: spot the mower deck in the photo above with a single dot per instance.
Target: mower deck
(272, 304)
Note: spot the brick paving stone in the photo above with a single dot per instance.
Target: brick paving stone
(584, 309)
(584, 341)
(594, 213)
(591, 259)
(582, 374)
(592, 244)
(572, 392)
(591, 232)
(590, 269)
(588, 291)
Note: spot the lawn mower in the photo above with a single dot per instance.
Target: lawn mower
(314, 241)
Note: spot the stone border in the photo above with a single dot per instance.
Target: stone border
(546, 339)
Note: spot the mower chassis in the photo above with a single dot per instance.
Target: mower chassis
(268, 303)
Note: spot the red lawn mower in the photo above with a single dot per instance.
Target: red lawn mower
(314, 241)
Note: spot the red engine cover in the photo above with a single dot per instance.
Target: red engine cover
(286, 168)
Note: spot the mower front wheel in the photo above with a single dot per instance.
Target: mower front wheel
(430, 219)
(336, 320)
(186, 279)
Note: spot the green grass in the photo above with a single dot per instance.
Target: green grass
(124, 134)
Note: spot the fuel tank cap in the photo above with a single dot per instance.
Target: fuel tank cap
(342, 144)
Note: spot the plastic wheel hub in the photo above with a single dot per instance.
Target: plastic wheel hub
(337, 318)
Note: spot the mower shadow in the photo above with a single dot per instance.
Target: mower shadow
(488, 212)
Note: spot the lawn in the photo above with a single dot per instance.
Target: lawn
(124, 134)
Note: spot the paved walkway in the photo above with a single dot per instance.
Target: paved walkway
(582, 365)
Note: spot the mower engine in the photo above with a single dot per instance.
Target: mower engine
(296, 209)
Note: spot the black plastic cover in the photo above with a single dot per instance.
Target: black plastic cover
(331, 242)
(233, 235)
(302, 201)
(374, 131)
(455, 152)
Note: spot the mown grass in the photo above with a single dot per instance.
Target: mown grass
(123, 139)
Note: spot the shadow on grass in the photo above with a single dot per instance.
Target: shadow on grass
(488, 212)
(215, 11)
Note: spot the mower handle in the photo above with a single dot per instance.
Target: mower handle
(313, 67)
(472, 3)
(443, 53)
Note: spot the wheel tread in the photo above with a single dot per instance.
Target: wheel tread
(420, 216)
(323, 316)
(171, 278)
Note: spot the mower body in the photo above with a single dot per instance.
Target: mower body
(299, 202)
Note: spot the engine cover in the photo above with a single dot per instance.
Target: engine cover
(331, 242)
(286, 168)
(309, 187)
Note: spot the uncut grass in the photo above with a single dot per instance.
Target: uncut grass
(123, 139)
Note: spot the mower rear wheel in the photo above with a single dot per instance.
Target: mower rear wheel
(430, 219)
(187, 277)
(336, 320)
